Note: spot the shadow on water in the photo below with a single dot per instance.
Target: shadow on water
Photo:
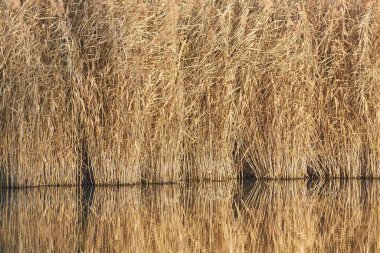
(85, 197)
(261, 216)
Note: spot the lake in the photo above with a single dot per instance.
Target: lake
(232, 216)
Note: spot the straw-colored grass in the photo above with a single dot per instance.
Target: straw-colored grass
(224, 217)
(114, 92)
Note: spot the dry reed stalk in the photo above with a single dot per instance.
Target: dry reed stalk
(113, 92)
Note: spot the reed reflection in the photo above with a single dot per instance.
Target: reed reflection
(269, 216)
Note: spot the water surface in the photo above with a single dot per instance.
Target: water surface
(271, 216)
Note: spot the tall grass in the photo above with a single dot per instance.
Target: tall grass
(160, 91)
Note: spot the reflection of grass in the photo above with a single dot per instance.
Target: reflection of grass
(263, 217)
(188, 90)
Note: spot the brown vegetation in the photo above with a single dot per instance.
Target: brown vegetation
(159, 91)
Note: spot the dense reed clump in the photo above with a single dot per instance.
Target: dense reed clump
(112, 92)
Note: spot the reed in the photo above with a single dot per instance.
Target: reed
(117, 92)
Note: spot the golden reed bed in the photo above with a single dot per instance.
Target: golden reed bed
(115, 92)
(223, 217)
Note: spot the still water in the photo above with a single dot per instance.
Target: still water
(269, 216)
